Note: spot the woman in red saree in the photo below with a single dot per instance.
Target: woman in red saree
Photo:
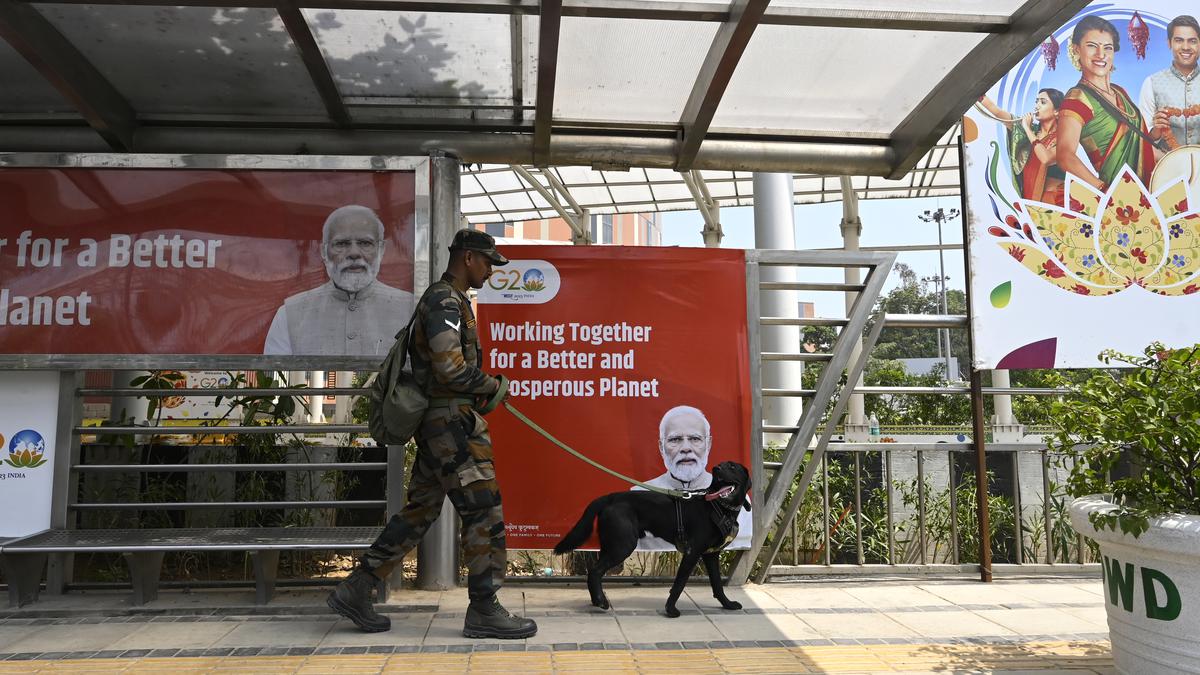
(1032, 143)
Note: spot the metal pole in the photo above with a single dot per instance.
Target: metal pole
(954, 555)
(981, 485)
(1046, 516)
(858, 521)
(740, 570)
(437, 554)
(1018, 530)
(65, 483)
(887, 469)
(942, 279)
(921, 506)
(977, 421)
(940, 216)
(828, 532)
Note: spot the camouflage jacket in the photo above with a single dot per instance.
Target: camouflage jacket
(444, 351)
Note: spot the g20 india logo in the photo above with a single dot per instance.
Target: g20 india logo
(522, 282)
(26, 449)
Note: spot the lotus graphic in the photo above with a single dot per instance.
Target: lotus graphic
(534, 280)
(1100, 244)
(26, 449)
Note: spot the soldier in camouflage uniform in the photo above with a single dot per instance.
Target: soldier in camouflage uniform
(454, 456)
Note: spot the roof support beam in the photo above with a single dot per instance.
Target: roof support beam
(886, 20)
(708, 208)
(638, 9)
(549, 27)
(991, 59)
(479, 147)
(722, 59)
(36, 39)
(314, 61)
(516, 34)
(575, 220)
(562, 190)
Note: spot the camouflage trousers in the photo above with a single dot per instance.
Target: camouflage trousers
(454, 459)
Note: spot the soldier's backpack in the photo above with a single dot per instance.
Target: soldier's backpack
(397, 401)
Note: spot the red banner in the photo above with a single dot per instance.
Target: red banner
(601, 343)
(168, 261)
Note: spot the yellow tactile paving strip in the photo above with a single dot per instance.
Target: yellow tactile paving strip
(1080, 657)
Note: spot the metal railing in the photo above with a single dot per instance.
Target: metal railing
(1035, 544)
(85, 463)
(1026, 543)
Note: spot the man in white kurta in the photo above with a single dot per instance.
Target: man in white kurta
(1170, 98)
(352, 314)
(685, 441)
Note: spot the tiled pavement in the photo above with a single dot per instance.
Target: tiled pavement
(860, 625)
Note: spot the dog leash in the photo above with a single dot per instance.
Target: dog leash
(682, 494)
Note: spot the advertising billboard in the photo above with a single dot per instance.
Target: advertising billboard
(1082, 174)
(635, 357)
(183, 261)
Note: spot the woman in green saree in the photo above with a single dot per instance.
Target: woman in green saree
(1099, 115)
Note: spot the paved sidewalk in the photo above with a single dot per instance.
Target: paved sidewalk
(860, 625)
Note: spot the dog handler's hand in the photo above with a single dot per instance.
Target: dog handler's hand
(495, 399)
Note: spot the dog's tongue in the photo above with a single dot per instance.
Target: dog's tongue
(719, 494)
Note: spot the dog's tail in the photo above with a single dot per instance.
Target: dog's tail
(575, 537)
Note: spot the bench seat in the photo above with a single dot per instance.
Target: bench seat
(143, 549)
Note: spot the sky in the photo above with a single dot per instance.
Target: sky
(884, 222)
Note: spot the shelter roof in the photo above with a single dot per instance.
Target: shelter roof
(849, 87)
(497, 192)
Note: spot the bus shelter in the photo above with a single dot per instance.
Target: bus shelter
(437, 90)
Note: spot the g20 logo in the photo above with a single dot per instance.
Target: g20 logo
(533, 280)
(212, 382)
(524, 282)
(26, 449)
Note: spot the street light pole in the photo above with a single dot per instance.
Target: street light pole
(940, 216)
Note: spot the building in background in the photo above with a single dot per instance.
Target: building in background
(618, 229)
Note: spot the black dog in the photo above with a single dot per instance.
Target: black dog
(699, 527)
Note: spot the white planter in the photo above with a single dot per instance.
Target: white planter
(1151, 590)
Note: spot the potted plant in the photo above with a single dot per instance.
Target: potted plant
(1131, 442)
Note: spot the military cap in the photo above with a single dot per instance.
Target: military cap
(480, 242)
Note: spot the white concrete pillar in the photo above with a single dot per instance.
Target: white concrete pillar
(129, 409)
(316, 400)
(1003, 402)
(343, 404)
(775, 228)
(857, 428)
(1006, 428)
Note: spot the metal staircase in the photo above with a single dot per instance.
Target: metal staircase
(824, 405)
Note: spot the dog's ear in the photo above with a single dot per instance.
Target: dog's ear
(746, 503)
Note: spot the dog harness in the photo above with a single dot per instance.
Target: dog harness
(720, 513)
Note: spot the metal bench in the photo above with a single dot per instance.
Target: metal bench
(24, 558)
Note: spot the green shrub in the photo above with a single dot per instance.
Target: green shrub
(1143, 422)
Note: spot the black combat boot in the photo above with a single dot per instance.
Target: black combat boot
(489, 619)
(352, 599)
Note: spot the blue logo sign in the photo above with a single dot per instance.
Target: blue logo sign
(26, 450)
(534, 280)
